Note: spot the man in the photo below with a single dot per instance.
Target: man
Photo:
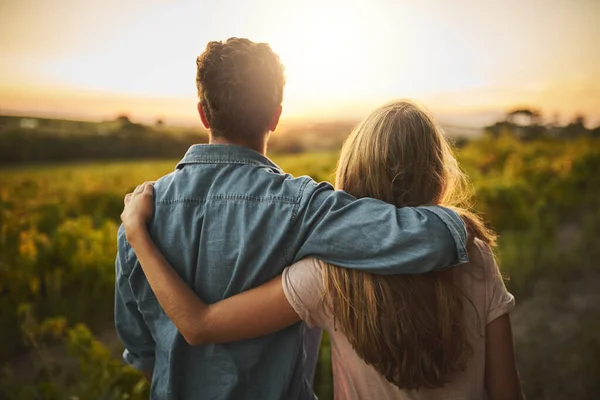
(228, 219)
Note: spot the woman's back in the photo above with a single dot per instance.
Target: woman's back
(486, 299)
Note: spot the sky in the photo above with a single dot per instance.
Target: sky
(466, 60)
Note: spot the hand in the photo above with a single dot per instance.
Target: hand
(139, 207)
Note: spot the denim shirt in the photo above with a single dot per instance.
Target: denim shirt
(228, 219)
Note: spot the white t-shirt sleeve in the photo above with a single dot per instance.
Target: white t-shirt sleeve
(303, 287)
(499, 300)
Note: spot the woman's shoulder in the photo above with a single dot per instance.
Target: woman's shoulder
(481, 255)
(307, 270)
(485, 281)
(480, 269)
(303, 287)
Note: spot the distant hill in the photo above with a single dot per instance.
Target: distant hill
(25, 139)
(462, 131)
(53, 125)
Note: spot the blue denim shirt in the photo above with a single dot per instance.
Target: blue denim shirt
(228, 219)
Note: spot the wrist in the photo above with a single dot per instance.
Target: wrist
(135, 231)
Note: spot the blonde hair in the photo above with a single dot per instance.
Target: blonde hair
(408, 327)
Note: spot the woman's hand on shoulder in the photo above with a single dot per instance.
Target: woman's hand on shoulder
(139, 207)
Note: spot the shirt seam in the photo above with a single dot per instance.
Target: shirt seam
(295, 209)
(299, 197)
(226, 197)
(194, 160)
(243, 161)
(226, 154)
(126, 247)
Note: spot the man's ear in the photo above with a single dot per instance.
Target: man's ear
(275, 119)
(203, 116)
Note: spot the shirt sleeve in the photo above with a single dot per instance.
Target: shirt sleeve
(129, 323)
(375, 236)
(499, 300)
(303, 287)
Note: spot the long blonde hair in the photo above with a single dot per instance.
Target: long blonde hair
(408, 327)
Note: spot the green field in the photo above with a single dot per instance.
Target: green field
(57, 246)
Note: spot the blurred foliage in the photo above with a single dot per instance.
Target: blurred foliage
(532, 194)
(36, 140)
(58, 233)
(26, 140)
(96, 375)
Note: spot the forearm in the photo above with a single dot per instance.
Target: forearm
(177, 299)
(501, 374)
(247, 315)
(250, 314)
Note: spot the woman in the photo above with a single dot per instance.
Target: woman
(440, 335)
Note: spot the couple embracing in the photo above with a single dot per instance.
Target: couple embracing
(228, 268)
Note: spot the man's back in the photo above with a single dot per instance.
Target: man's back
(223, 223)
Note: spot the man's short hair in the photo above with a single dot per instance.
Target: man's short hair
(240, 85)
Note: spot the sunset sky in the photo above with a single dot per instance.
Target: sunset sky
(465, 60)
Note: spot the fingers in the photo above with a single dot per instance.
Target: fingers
(148, 190)
(144, 188)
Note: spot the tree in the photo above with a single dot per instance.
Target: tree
(576, 128)
(524, 117)
(123, 119)
(526, 123)
(579, 121)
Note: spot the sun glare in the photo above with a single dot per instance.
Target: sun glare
(340, 55)
(321, 52)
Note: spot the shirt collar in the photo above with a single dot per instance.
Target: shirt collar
(225, 154)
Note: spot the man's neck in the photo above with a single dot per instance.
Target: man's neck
(260, 146)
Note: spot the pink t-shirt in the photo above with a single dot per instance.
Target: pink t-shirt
(353, 379)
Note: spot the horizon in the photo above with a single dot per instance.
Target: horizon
(476, 120)
(468, 63)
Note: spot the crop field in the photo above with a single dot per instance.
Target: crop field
(58, 228)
